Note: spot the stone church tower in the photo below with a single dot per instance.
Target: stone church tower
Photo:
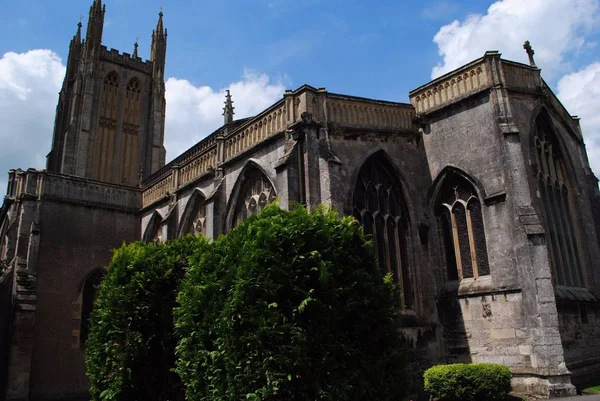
(110, 116)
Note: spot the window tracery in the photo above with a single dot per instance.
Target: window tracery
(460, 223)
(553, 184)
(378, 204)
(255, 193)
(105, 141)
(197, 220)
(130, 142)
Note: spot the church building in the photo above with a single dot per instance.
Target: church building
(478, 195)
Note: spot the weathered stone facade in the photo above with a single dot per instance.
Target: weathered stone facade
(478, 195)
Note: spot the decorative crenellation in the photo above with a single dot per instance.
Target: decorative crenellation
(198, 166)
(366, 113)
(470, 79)
(255, 131)
(125, 59)
(158, 190)
(194, 152)
(520, 76)
(108, 123)
(131, 129)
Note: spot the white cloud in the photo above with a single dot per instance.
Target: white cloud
(580, 93)
(555, 28)
(29, 85)
(194, 112)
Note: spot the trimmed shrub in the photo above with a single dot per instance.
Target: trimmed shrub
(289, 306)
(468, 382)
(130, 352)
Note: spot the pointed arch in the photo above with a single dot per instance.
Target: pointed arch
(252, 191)
(382, 154)
(89, 288)
(109, 110)
(457, 207)
(378, 203)
(193, 219)
(553, 167)
(154, 227)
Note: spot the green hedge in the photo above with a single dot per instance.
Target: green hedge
(468, 382)
(130, 352)
(289, 306)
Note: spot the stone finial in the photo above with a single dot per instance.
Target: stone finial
(135, 47)
(228, 109)
(530, 53)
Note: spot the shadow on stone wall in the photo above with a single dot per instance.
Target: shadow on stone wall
(6, 309)
(454, 332)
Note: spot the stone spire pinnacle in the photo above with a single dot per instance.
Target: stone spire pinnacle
(95, 26)
(78, 34)
(228, 109)
(158, 51)
(135, 48)
(160, 32)
(530, 53)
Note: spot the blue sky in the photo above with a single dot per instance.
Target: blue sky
(379, 49)
(346, 46)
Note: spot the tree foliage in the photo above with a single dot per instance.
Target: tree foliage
(130, 348)
(289, 306)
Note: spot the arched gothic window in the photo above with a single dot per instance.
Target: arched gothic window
(378, 204)
(255, 193)
(196, 224)
(460, 222)
(553, 184)
(107, 125)
(88, 296)
(130, 140)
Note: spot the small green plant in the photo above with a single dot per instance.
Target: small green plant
(468, 382)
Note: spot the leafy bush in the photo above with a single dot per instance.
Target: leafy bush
(130, 352)
(289, 306)
(468, 382)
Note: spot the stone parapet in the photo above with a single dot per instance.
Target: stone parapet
(43, 185)
(233, 140)
(126, 60)
(459, 84)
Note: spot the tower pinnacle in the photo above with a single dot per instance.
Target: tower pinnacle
(228, 109)
(135, 48)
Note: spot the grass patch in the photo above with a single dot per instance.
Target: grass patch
(593, 390)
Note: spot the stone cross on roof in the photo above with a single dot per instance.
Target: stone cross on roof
(530, 53)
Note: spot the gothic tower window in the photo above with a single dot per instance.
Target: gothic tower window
(460, 222)
(255, 193)
(378, 204)
(553, 184)
(130, 138)
(196, 224)
(107, 126)
(88, 296)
